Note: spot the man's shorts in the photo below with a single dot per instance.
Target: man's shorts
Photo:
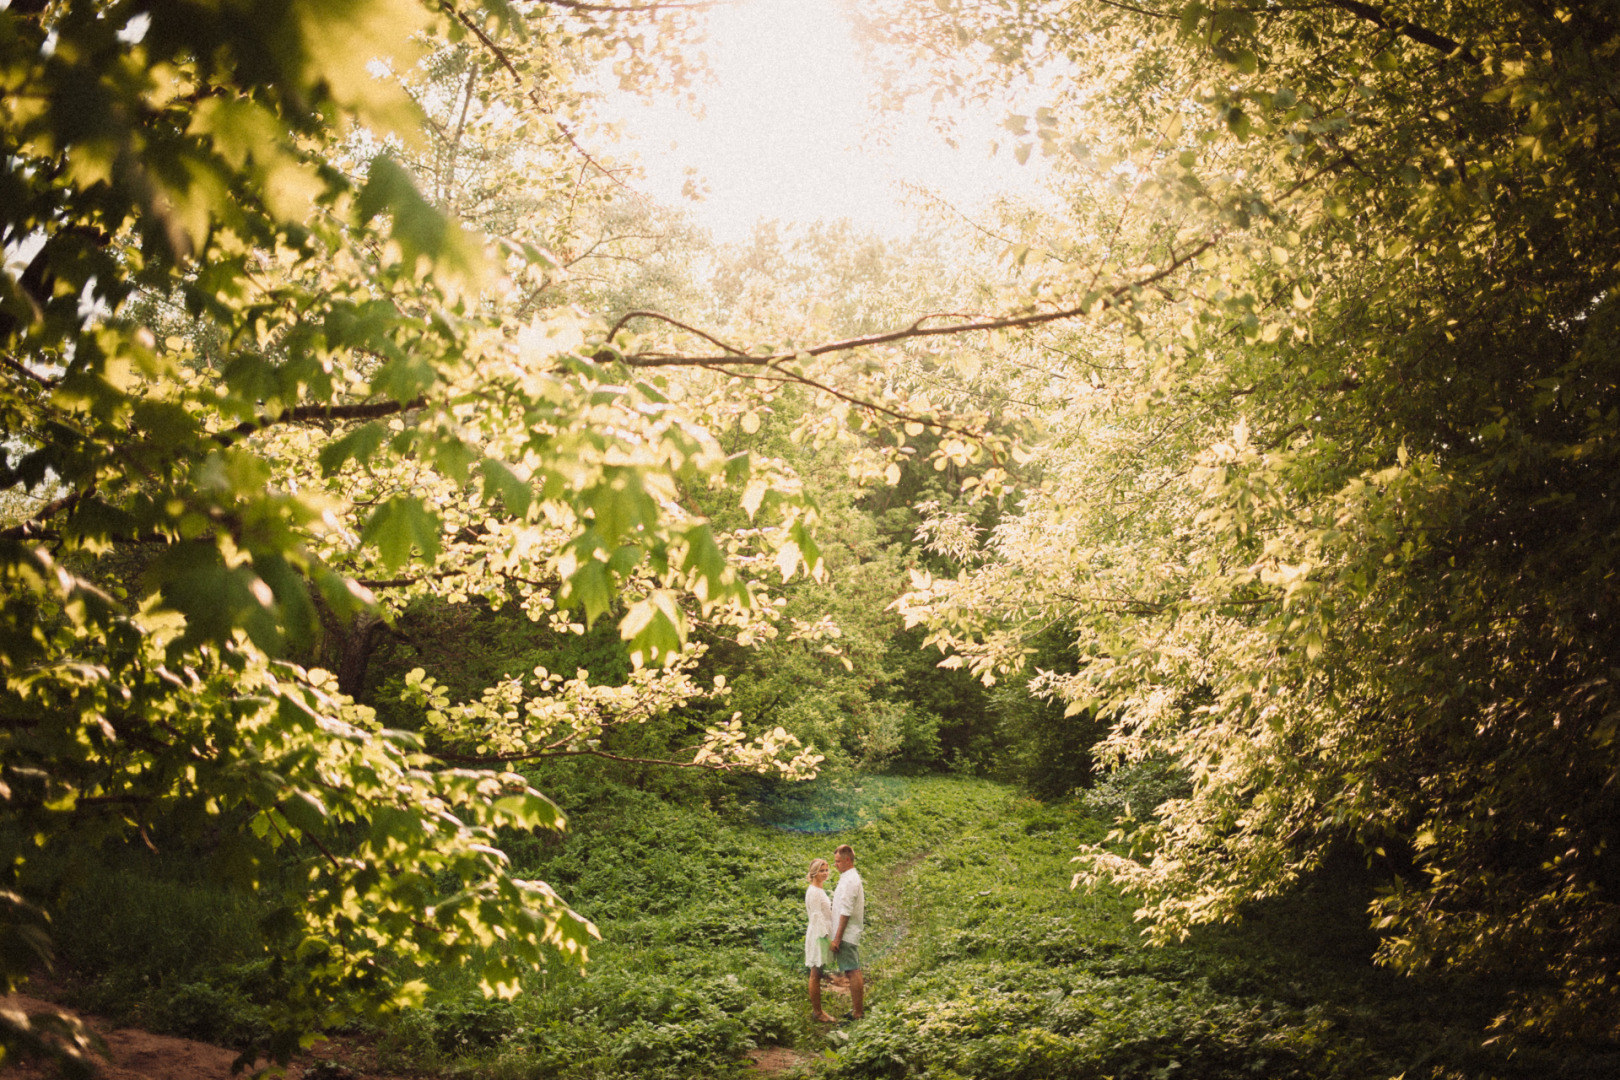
(848, 957)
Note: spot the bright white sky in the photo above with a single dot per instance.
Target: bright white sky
(788, 132)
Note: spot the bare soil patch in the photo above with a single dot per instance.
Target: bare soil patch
(133, 1054)
(777, 1060)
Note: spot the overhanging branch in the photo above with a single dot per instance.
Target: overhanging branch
(536, 755)
(1420, 34)
(918, 330)
(305, 414)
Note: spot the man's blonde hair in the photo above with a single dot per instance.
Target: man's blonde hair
(844, 849)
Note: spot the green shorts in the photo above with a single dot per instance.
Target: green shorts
(848, 957)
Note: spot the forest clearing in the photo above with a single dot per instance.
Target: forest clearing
(1146, 475)
(982, 961)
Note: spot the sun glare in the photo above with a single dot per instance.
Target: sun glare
(787, 132)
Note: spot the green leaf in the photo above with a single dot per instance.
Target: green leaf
(703, 555)
(400, 525)
(590, 587)
(514, 491)
(655, 628)
(293, 607)
(358, 445)
(418, 227)
(453, 456)
(530, 810)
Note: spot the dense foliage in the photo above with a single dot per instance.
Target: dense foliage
(983, 963)
(1330, 507)
(1275, 465)
(254, 376)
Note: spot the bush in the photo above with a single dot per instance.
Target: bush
(1135, 791)
(468, 1022)
(207, 1012)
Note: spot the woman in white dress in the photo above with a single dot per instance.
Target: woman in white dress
(817, 935)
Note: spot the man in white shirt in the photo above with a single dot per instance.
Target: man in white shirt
(849, 915)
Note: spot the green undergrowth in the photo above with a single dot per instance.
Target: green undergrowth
(982, 962)
(702, 916)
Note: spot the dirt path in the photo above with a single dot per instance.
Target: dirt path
(779, 1060)
(132, 1054)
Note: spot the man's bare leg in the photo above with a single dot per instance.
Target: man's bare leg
(857, 994)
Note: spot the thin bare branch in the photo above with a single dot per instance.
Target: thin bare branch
(496, 759)
(627, 316)
(505, 61)
(916, 330)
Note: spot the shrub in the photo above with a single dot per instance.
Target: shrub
(208, 1012)
(1135, 791)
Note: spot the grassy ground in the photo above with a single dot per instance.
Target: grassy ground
(982, 962)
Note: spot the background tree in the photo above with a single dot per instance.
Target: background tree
(1333, 523)
(345, 397)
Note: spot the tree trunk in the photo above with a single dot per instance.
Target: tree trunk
(356, 642)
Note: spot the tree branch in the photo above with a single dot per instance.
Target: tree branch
(308, 413)
(496, 759)
(917, 330)
(1420, 34)
(30, 529)
(22, 369)
(627, 316)
(1138, 10)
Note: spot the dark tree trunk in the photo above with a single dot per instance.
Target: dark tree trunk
(346, 648)
(355, 645)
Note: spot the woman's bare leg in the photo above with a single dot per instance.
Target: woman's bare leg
(816, 1011)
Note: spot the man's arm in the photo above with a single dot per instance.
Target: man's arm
(838, 934)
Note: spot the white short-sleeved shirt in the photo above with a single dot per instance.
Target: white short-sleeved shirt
(819, 908)
(850, 899)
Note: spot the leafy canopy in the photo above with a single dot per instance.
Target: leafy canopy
(1329, 506)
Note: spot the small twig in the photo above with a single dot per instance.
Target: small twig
(337, 864)
(505, 61)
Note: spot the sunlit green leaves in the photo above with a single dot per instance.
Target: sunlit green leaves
(400, 528)
(1306, 539)
(358, 445)
(251, 370)
(420, 229)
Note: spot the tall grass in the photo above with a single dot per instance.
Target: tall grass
(128, 920)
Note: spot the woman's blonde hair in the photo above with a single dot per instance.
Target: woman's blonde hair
(815, 864)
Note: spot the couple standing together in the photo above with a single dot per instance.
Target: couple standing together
(833, 936)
